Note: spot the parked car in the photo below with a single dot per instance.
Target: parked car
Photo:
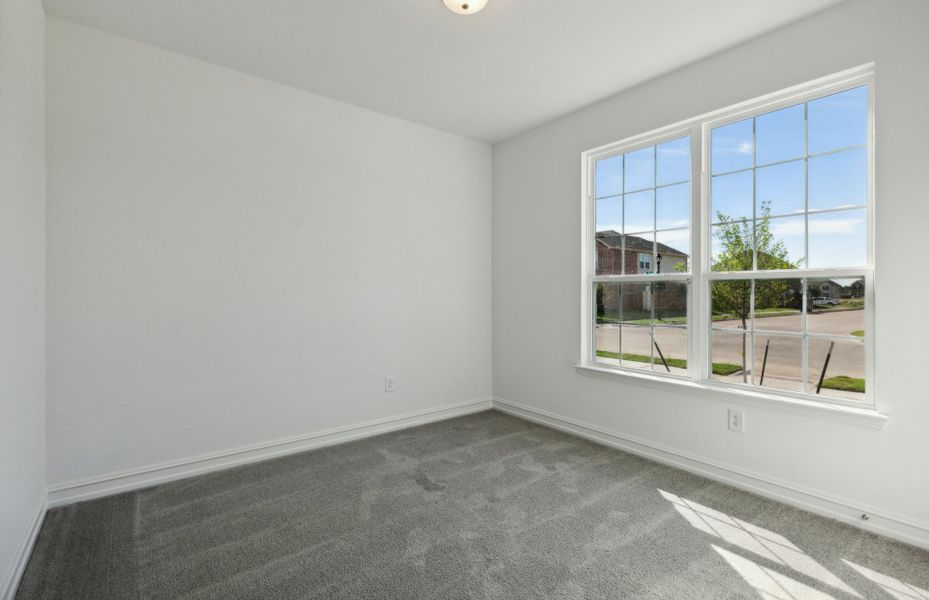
(823, 301)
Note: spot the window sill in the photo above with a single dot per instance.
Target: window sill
(863, 416)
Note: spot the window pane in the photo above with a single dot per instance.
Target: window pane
(609, 214)
(674, 161)
(670, 302)
(780, 243)
(732, 245)
(640, 253)
(732, 147)
(781, 188)
(636, 303)
(640, 169)
(606, 326)
(674, 248)
(635, 337)
(673, 206)
(609, 176)
(637, 346)
(632, 305)
(609, 247)
(639, 212)
(609, 218)
(836, 307)
(730, 304)
(732, 196)
(844, 376)
(779, 135)
(779, 305)
(783, 367)
(729, 353)
(838, 239)
(671, 345)
(839, 179)
(839, 120)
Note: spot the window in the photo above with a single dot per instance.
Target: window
(642, 214)
(772, 287)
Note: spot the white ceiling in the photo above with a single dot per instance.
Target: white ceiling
(487, 76)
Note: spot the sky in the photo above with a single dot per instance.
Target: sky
(650, 189)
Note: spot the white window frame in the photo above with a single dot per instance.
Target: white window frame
(590, 263)
(699, 322)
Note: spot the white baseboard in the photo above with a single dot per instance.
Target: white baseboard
(841, 509)
(9, 584)
(124, 481)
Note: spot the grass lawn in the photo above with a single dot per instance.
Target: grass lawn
(845, 383)
(680, 363)
(725, 368)
(858, 333)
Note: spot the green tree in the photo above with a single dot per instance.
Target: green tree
(740, 245)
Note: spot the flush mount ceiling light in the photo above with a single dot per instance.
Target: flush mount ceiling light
(465, 7)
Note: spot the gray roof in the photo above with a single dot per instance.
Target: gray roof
(613, 239)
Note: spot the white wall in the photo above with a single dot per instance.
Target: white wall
(537, 264)
(22, 276)
(232, 261)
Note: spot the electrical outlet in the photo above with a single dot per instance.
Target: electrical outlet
(389, 383)
(736, 420)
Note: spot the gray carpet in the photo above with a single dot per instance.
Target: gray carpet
(482, 506)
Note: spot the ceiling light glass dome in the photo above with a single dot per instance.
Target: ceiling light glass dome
(465, 7)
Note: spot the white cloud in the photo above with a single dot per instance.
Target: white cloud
(680, 223)
(836, 226)
(787, 227)
(794, 227)
(675, 239)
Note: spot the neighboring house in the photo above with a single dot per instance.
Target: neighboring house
(638, 255)
(824, 288)
(837, 289)
(827, 288)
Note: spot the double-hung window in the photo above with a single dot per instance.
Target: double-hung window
(641, 256)
(736, 249)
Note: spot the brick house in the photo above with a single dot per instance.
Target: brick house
(638, 255)
(638, 299)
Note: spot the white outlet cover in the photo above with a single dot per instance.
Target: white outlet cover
(736, 420)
